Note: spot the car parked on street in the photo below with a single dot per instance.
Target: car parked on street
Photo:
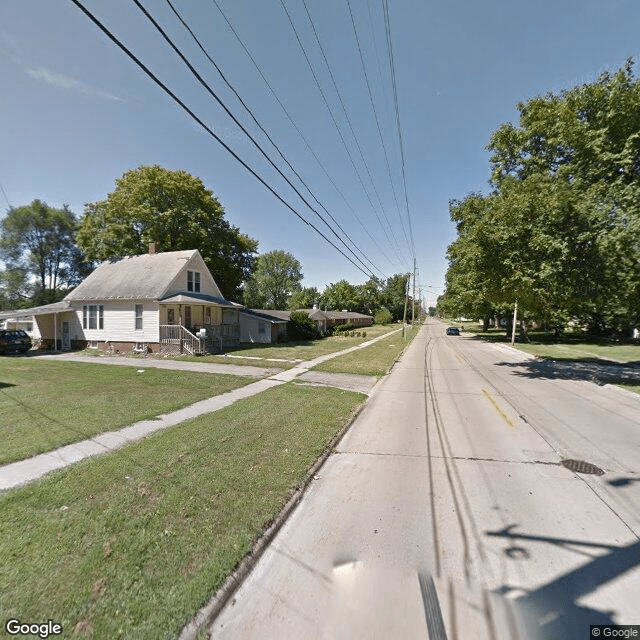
(14, 341)
(453, 331)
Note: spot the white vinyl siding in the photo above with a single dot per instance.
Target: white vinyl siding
(119, 323)
(207, 283)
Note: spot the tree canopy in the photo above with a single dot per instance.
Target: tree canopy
(304, 298)
(276, 278)
(175, 209)
(38, 241)
(560, 230)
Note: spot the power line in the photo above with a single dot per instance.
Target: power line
(297, 128)
(375, 114)
(5, 196)
(168, 91)
(251, 114)
(387, 22)
(348, 119)
(304, 52)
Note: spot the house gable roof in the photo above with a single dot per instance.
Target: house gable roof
(143, 277)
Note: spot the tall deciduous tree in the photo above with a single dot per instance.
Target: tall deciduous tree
(39, 240)
(305, 298)
(339, 296)
(561, 230)
(276, 277)
(175, 209)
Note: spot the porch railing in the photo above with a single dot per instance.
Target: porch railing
(176, 339)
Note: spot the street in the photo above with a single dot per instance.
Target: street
(445, 511)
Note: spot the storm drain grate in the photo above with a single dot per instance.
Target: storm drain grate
(580, 466)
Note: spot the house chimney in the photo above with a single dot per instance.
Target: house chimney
(154, 247)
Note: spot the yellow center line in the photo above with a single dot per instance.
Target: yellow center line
(500, 412)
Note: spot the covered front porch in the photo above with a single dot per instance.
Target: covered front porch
(197, 324)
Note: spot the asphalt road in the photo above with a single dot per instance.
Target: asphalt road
(445, 511)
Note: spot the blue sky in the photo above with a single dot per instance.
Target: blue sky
(76, 113)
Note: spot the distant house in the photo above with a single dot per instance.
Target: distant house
(324, 320)
(154, 302)
(263, 326)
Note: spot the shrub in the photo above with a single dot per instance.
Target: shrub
(301, 327)
(343, 328)
(364, 334)
(383, 316)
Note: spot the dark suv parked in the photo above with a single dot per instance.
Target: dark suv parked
(13, 341)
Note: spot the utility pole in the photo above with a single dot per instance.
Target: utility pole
(406, 301)
(413, 299)
(513, 329)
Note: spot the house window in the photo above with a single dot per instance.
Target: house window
(93, 316)
(171, 316)
(207, 315)
(193, 281)
(138, 314)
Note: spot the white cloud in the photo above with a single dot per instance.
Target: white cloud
(65, 82)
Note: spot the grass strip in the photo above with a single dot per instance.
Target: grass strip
(132, 544)
(571, 346)
(374, 360)
(630, 387)
(44, 405)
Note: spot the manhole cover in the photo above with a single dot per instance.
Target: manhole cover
(580, 466)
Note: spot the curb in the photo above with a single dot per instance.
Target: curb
(625, 392)
(217, 602)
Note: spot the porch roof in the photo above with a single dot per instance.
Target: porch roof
(199, 298)
(55, 307)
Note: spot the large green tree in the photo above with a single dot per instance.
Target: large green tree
(305, 298)
(37, 240)
(175, 209)
(339, 296)
(276, 277)
(560, 232)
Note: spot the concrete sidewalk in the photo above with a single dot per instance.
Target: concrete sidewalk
(24, 471)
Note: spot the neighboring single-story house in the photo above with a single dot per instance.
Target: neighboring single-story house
(323, 319)
(263, 325)
(153, 302)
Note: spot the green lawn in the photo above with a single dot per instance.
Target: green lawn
(630, 387)
(374, 360)
(44, 405)
(133, 543)
(584, 351)
(572, 346)
(311, 349)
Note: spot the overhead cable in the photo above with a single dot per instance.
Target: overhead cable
(313, 73)
(375, 114)
(348, 119)
(297, 128)
(275, 146)
(168, 91)
(387, 22)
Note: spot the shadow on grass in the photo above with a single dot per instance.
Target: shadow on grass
(598, 371)
(4, 385)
